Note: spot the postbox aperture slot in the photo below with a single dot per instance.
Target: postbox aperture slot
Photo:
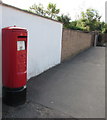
(22, 36)
(21, 45)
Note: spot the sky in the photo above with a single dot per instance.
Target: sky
(71, 7)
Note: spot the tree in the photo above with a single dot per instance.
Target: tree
(38, 9)
(90, 20)
(73, 25)
(51, 11)
(65, 19)
(103, 27)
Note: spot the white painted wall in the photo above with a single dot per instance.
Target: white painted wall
(44, 50)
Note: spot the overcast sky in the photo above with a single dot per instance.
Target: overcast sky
(73, 7)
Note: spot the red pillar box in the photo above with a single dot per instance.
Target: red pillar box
(14, 64)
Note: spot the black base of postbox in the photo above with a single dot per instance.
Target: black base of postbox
(14, 96)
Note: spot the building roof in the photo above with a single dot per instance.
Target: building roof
(7, 5)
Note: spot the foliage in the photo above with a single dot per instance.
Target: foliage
(103, 27)
(73, 25)
(38, 9)
(89, 21)
(65, 19)
(51, 11)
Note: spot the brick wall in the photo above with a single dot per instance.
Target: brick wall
(73, 42)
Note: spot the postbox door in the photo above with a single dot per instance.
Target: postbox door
(21, 59)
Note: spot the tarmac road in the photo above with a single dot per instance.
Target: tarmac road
(75, 87)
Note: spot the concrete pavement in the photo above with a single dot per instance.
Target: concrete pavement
(74, 88)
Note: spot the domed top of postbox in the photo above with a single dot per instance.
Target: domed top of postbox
(14, 28)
